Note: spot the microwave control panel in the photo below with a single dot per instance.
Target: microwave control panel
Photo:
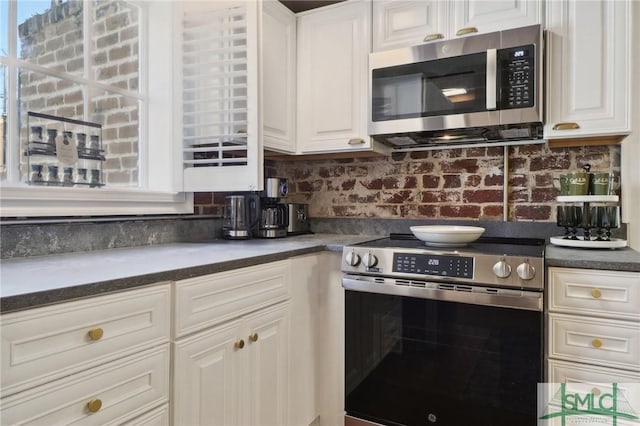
(517, 75)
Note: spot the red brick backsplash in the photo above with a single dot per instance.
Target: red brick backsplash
(445, 184)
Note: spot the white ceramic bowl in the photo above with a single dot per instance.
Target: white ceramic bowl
(447, 235)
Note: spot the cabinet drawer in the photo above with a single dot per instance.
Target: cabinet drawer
(43, 344)
(571, 372)
(126, 388)
(211, 299)
(595, 293)
(156, 417)
(593, 340)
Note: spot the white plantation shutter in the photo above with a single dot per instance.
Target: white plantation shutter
(222, 141)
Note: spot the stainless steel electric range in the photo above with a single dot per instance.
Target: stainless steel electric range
(443, 335)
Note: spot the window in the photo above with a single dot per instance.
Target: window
(80, 69)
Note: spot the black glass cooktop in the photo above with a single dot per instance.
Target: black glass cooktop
(531, 247)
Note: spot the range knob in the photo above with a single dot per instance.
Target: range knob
(526, 271)
(369, 260)
(502, 269)
(352, 258)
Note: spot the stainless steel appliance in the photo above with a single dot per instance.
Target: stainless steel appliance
(274, 214)
(240, 216)
(298, 219)
(479, 89)
(449, 336)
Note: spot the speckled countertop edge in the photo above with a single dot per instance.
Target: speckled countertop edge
(624, 259)
(38, 281)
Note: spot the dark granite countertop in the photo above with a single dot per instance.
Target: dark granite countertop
(36, 281)
(624, 259)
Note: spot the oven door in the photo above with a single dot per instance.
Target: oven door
(416, 361)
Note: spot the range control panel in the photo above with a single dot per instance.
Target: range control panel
(446, 266)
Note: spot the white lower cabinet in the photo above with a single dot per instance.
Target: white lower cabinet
(260, 346)
(109, 394)
(233, 370)
(593, 326)
(316, 378)
(103, 360)
(234, 374)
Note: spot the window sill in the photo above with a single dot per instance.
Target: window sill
(29, 201)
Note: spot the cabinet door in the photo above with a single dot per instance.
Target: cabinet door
(279, 76)
(333, 53)
(487, 16)
(589, 68)
(407, 23)
(267, 348)
(208, 377)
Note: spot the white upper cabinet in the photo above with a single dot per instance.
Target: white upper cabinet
(219, 88)
(589, 73)
(398, 23)
(405, 23)
(483, 16)
(333, 56)
(279, 77)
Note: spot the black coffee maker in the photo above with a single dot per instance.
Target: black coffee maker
(274, 215)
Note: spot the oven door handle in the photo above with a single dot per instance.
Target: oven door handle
(475, 295)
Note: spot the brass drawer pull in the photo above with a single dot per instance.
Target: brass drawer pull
(465, 31)
(94, 405)
(596, 294)
(356, 141)
(239, 344)
(432, 37)
(596, 343)
(253, 337)
(566, 126)
(96, 333)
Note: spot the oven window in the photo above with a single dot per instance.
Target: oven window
(416, 361)
(439, 87)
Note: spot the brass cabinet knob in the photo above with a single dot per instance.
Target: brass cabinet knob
(432, 37)
(566, 126)
(94, 405)
(96, 333)
(596, 294)
(596, 391)
(596, 343)
(465, 31)
(239, 344)
(253, 337)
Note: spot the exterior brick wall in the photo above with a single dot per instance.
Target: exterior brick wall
(55, 39)
(446, 184)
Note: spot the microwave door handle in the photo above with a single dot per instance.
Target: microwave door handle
(492, 72)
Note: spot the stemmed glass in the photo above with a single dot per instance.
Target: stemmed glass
(610, 219)
(569, 217)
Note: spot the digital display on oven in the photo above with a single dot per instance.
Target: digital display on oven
(423, 264)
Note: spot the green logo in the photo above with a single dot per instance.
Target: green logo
(593, 407)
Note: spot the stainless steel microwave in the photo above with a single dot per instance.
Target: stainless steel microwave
(480, 89)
